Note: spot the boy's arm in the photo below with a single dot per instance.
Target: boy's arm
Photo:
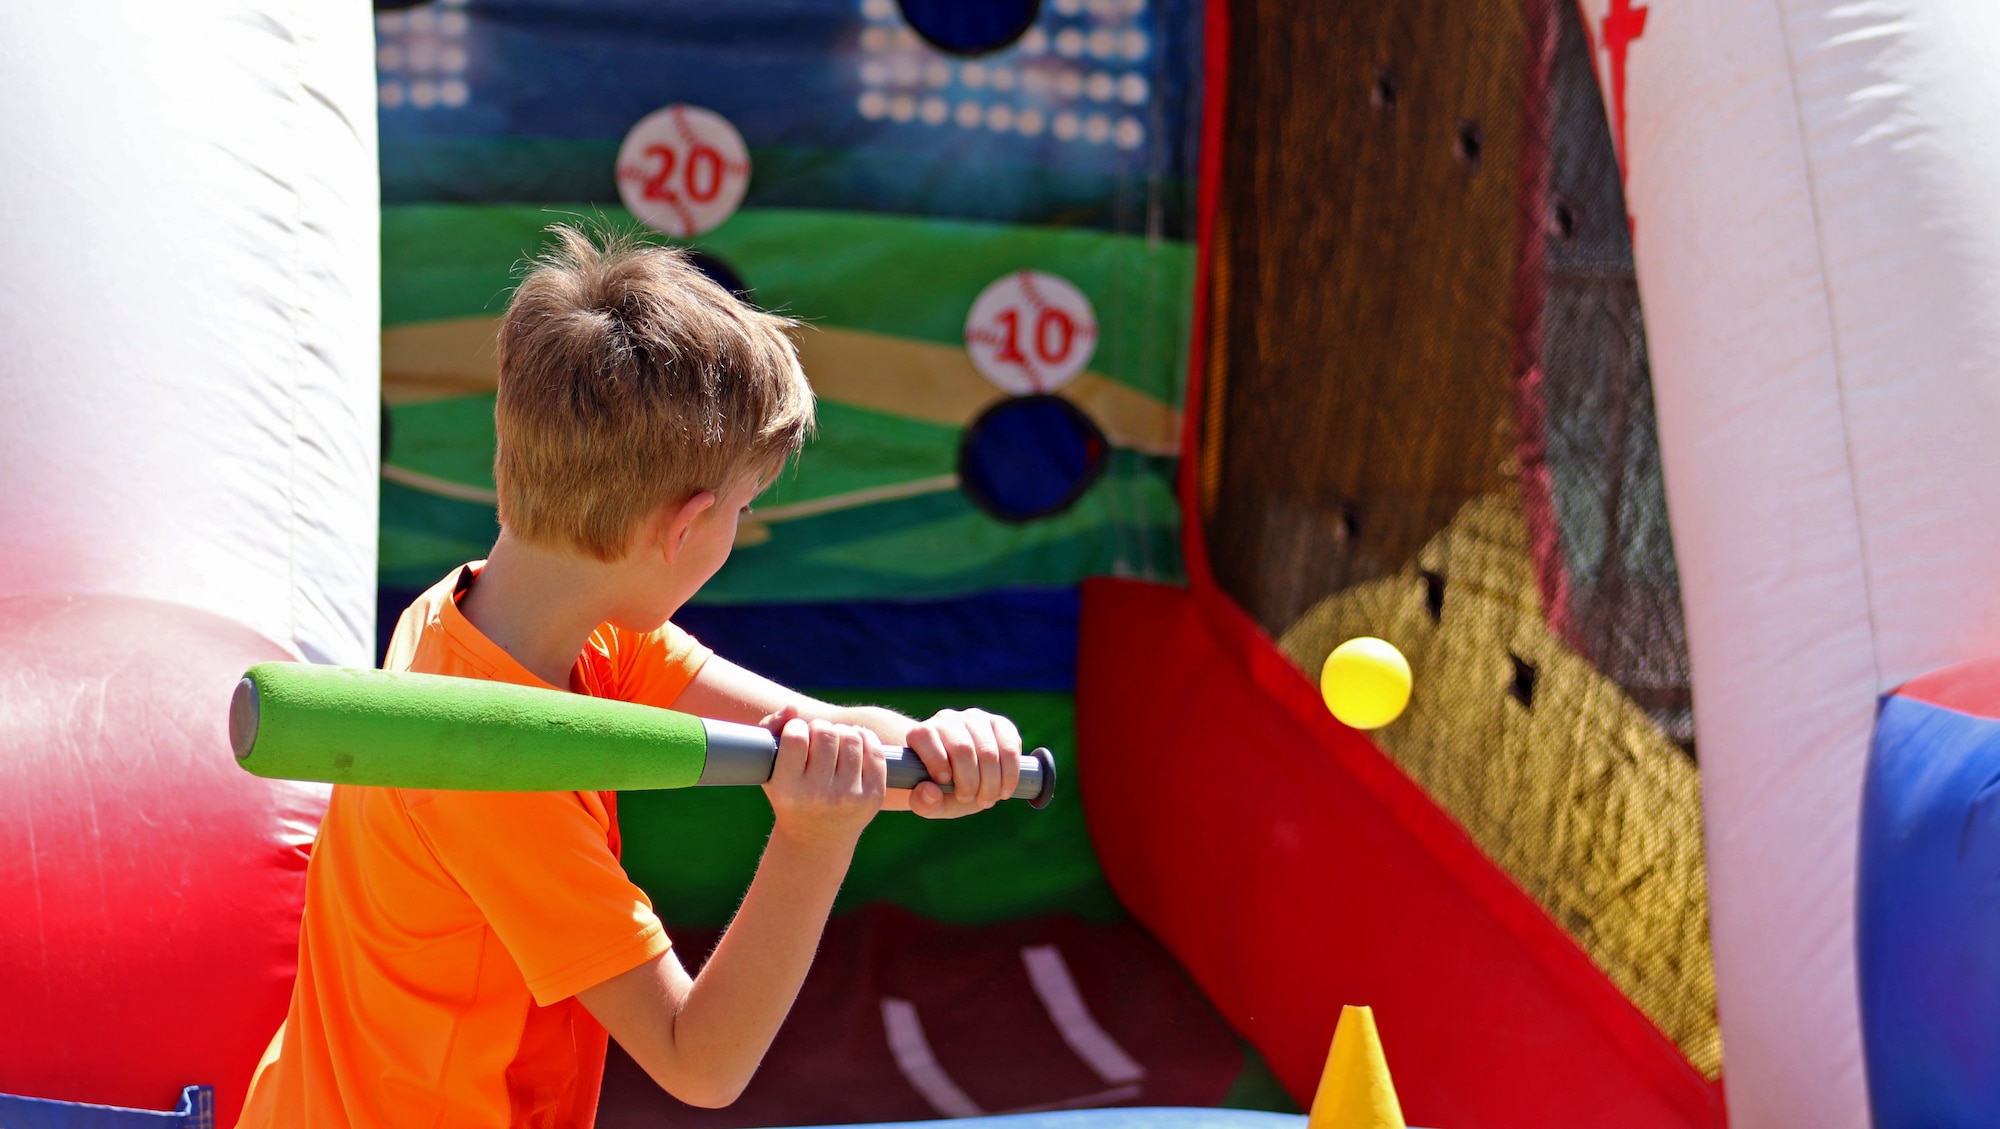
(701, 1038)
(727, 692)
(969, 745)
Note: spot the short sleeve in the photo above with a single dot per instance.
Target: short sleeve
(539, 869)
(655, 668)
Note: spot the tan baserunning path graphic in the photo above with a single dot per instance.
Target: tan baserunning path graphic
(919, 379)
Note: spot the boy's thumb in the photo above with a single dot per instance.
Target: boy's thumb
(775, 722)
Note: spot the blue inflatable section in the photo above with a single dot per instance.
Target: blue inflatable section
(195, 1111)
(1928, 918)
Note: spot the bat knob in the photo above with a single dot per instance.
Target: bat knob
(1048, 762)
(243, 717)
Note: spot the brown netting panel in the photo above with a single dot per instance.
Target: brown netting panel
(1370, 176)
(1430, 398)
(1545, 762)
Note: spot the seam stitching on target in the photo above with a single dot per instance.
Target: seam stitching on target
(1028, 349)
(679, 118)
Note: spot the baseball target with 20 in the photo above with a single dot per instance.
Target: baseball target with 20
(683, 170)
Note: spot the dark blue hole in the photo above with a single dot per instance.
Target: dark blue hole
(970, 27)
(719, 272)
(1030, 457)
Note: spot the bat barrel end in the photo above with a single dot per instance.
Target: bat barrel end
(243, 717)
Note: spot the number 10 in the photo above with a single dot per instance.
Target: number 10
(1055, 336)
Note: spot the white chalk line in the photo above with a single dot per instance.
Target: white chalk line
(919, 1064)
(417, 480)
(1051, 977)
(864, 497)
(1056, 988)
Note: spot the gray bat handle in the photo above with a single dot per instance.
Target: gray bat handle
(744, 754)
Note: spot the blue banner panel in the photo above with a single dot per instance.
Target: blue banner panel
(1011, 639)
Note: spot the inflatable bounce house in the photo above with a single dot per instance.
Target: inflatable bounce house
(1160, 347)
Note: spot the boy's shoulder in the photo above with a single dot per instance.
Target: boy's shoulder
(413, 644)
(649, 667)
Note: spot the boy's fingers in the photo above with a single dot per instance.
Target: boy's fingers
(874, 765)
(928, 801)
(794, 739)
(973, 747)
(775, 722)
(986, 747)
(964, 756)
(924, 741)
(823, 756)
(1009, 739)
(848, 753)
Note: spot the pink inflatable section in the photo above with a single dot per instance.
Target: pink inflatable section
(1818, 242)
(151, 889)
(188, 440)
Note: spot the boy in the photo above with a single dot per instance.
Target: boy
(463, 955)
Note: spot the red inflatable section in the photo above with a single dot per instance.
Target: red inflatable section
(149, 889)
(1292, 868)
(1970, 688)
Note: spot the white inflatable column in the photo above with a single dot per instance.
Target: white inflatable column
(1815, 187)
(189, 309)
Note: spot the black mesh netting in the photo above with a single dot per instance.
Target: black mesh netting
(1609, 576)
(1429, 418)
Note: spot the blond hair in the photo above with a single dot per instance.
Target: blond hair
(629, 380)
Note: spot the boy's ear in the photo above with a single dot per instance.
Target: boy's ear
(679, 522)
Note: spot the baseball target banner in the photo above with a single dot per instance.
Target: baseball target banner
(683, 170)
(952, 230)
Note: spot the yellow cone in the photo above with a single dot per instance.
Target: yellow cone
(1354, 1090)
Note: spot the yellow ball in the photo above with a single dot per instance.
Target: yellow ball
(1366, 683)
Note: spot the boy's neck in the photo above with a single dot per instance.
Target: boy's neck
(540, 606)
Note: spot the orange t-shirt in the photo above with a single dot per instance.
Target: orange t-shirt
(446, 934)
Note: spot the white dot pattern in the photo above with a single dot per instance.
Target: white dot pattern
(1079, 58)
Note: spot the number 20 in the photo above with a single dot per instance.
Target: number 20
(701, 159)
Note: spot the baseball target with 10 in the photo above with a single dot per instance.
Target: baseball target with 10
(1030, 332)
(683, 170)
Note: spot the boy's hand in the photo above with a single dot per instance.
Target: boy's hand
(977, 753)
(828, 780)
